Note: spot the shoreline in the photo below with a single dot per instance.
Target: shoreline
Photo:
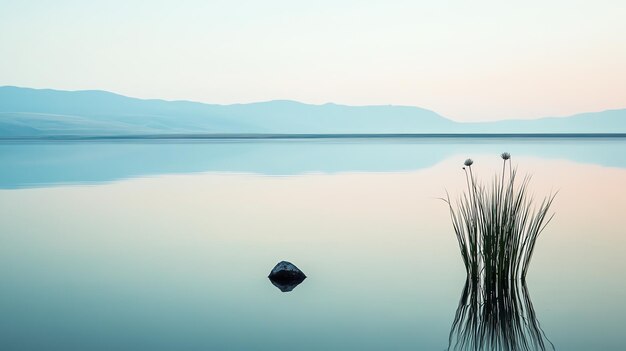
(347, 136)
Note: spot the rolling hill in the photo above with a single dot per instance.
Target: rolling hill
(26, 112)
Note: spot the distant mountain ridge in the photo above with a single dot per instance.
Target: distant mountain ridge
(26, 112)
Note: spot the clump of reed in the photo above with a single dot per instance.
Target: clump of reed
(497, 225)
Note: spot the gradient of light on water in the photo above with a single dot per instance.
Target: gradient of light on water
(179, 261)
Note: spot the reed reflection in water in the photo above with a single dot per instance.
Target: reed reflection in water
(497, 319)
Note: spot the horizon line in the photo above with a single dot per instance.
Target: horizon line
(296, 136)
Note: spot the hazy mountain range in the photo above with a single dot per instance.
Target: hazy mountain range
(26, 112)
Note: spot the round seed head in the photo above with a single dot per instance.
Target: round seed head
(505, 156)
(468, 162)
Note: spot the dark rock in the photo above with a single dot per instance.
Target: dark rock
(286, 276)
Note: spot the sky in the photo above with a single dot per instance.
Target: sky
(467, 60)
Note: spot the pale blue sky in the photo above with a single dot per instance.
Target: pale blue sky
(468, 60)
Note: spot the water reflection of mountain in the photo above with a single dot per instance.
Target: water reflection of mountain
(497, 319)
(28, 164)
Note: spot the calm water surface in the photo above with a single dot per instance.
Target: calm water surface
(167, 246)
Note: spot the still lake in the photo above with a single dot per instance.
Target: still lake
(166, 245)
